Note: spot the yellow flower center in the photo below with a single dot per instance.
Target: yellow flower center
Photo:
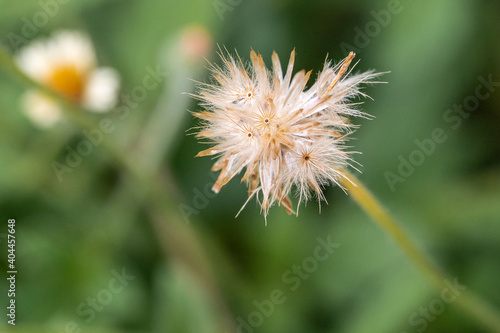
(68, 81)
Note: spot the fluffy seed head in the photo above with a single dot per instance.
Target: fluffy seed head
(283, 135)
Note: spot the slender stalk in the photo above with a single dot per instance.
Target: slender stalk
(475, 307)
(176, 239)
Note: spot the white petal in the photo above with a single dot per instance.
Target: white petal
(73, 48)
(35, 61)
(42, 110)
(101, 93)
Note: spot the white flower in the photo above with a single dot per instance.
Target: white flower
(283, 134)
(66, 63)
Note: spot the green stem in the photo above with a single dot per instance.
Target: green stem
(177, 240)
(475, 307)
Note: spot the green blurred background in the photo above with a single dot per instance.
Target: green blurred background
(74, 236)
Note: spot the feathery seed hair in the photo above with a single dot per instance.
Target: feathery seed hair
(284, 135)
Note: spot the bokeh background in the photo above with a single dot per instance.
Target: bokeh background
(74, 236)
